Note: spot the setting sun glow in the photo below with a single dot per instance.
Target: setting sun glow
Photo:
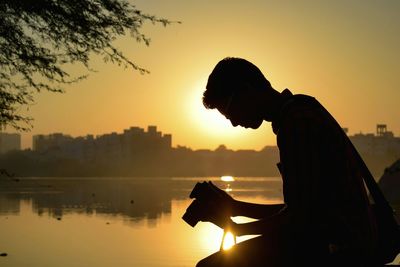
(208, 120)
(336, 51)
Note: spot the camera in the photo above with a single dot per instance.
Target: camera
(197, 210)
(194, 213)
(200, 208)
(201, 191)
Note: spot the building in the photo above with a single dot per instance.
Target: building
(9, 142)
(54, 141)
(115, 146)
(383, 143)
(378, 150)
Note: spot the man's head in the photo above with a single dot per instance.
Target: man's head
(239, 90)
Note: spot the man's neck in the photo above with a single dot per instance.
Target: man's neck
(277, 102)
(281, 101)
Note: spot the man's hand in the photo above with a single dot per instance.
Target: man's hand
(221, 199)
(216, 215)
(211, 204)
(218, 206)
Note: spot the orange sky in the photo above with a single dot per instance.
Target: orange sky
(345, 53)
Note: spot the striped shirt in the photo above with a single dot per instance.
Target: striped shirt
(323, 190)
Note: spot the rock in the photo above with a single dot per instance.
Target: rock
(390, 186)
(390, 183)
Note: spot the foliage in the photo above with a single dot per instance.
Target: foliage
(40, 38)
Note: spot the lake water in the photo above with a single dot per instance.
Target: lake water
(111, 221)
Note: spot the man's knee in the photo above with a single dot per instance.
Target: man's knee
(201, 263)
(254, 252)
(210, 261)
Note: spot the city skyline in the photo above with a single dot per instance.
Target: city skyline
(137, 152)
(91, 135)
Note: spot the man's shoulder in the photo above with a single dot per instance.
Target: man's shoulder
(304, 100)
(295, 107)
(306, 112)
(300, 105)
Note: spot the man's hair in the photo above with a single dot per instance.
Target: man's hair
(231, 75)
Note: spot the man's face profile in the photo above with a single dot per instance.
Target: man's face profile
(240, 110)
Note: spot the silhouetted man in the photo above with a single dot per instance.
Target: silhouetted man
(325, 218)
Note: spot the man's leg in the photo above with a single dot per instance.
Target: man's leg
(258, 251)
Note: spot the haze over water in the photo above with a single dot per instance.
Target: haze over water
(111, 221)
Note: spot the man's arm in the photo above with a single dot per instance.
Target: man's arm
(241, 208)
(256, 211)
(264, 226)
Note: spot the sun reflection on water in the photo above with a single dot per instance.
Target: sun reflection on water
(229, 241)
(214, 239)
(227, 178)
(228, 188)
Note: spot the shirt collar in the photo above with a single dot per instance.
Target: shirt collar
(287, 98)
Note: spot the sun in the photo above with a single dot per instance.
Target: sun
(208, 120)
